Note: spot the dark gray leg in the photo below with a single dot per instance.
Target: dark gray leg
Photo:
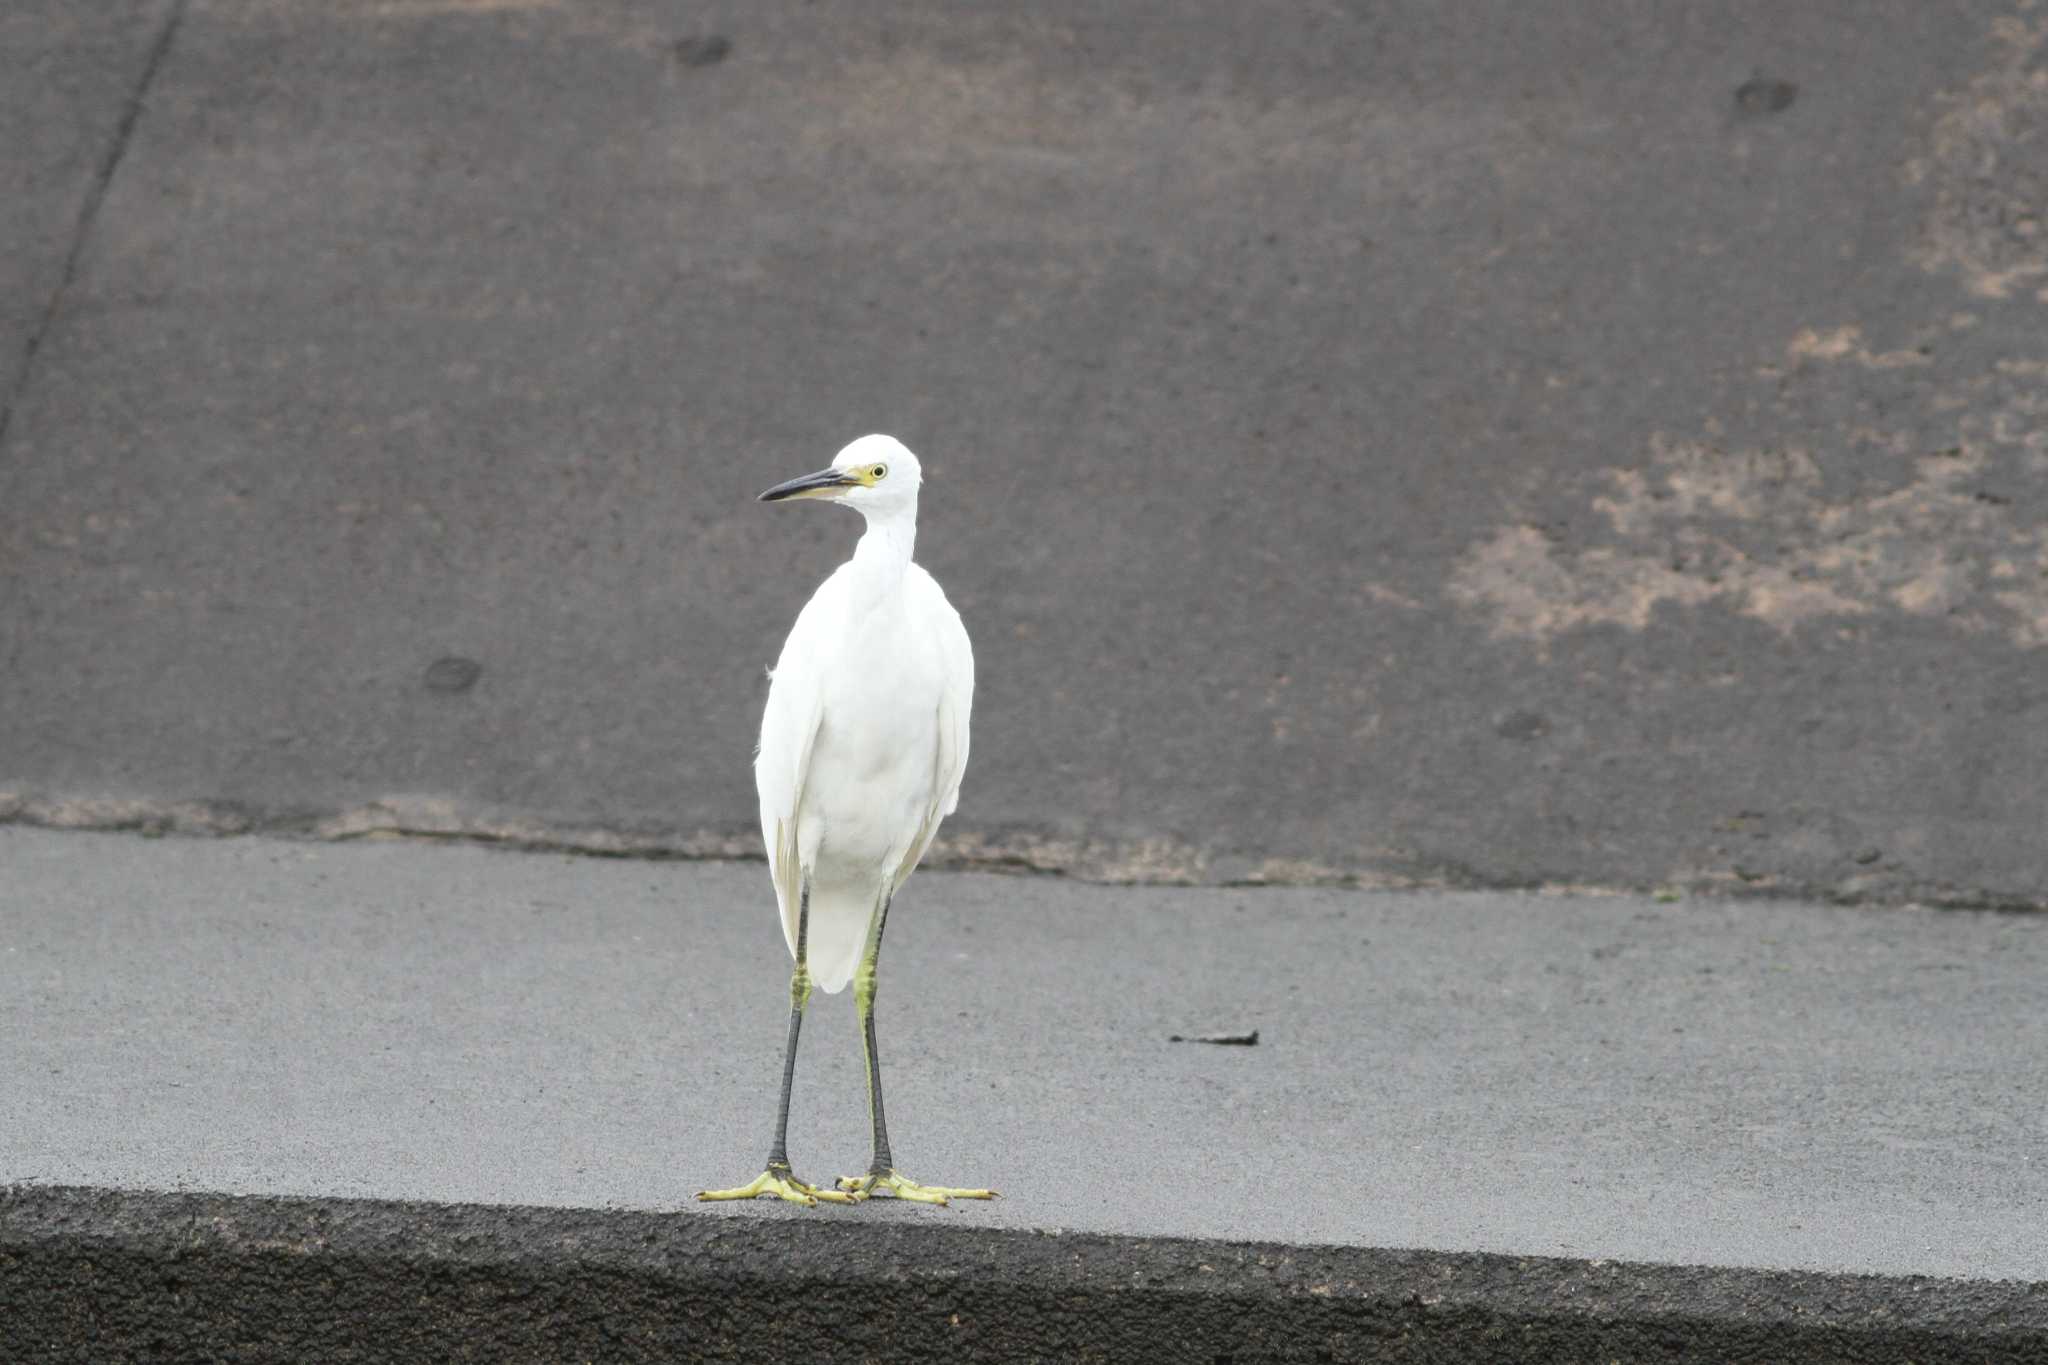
(882, 1170)
(799, 997)
(777, 1180)
(864, 1002)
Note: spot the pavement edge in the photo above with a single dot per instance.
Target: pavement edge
(105, 1275)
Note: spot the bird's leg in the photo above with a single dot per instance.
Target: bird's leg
(881, 1174)
(778, 1179)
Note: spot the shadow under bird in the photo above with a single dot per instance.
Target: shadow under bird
(862, 748)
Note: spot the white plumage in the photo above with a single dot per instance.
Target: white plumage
(864, 739)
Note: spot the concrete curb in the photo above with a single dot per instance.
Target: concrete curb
(99, 1275)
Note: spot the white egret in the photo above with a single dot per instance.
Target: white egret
(862, 747)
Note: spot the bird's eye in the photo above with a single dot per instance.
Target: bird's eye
(880, 471)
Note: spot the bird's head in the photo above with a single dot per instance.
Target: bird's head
(874, 474)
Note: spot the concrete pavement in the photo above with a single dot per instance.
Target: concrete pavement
(1784, 1087)
(1487, 445)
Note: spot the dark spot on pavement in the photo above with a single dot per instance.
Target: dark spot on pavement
(706, 50)
(1763, 96)
(1521, 725)
(453, 674)
(1868, 856)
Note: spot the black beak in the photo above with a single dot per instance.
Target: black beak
(815, 485)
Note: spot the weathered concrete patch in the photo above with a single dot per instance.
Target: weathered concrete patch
(1987, 163)
(1846, 343)
(1753, 531)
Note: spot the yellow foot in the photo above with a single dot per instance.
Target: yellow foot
(869, 1185)
(778, 1181)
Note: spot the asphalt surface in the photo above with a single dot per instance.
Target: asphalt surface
(1486, 445)
(1776, 1087)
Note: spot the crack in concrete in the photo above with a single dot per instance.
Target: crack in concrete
(89, 210)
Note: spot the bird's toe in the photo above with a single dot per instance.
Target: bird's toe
(895, 1186)
(782, 1185)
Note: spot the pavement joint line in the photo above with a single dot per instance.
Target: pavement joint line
(222, 820)
(89, 210)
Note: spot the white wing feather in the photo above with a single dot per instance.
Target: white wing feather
(789, 729)
(955, 711)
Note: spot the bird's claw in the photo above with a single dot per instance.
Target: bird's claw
(778, 1181)
(867, 1186)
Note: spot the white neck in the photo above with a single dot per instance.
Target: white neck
(884, 552)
